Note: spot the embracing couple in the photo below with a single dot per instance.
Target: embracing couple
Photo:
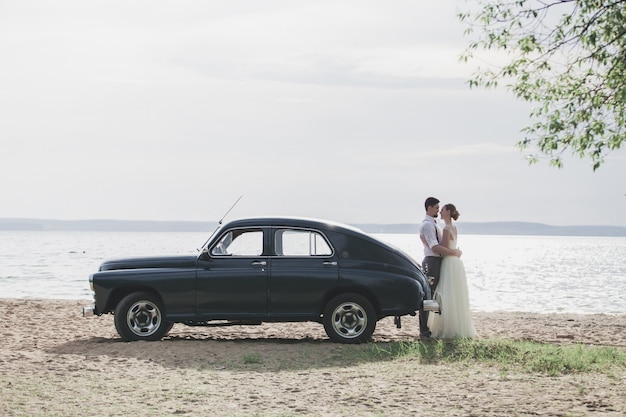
(446, 273)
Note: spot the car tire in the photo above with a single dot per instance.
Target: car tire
(140, 316)
(168, 327)
(349, 318)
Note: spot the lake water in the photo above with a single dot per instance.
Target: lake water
(505, 273)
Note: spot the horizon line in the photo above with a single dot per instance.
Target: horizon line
(371, 223)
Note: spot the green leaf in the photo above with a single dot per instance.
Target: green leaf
(568, 59)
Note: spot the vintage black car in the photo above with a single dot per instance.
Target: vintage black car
(264, 270)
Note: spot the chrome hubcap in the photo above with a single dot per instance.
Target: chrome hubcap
(349, 320)
(143, 318)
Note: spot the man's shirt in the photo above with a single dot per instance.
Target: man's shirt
(430, 234)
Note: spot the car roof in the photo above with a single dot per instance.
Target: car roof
(313, 223)
(287, 221)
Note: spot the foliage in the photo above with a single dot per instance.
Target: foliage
(509, 354)
(252, 358)
(568, 58)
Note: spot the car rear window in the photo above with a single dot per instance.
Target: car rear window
(295, 242)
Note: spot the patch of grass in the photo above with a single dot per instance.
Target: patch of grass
(252, 358)
(529, 356)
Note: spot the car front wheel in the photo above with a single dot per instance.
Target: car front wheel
(349, 318)
(139, 316)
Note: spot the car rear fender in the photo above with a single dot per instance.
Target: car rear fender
(355, 289)
(391, 293)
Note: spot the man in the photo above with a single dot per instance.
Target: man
(431, 234)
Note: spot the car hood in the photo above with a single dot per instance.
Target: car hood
(177, 261)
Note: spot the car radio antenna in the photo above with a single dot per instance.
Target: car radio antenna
(221, 220)
(231, 207)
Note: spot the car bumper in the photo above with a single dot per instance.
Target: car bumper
(88, 311)
(432, 305)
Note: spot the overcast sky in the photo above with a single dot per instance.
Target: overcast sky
(354, 111)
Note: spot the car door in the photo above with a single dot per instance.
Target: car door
(303, 268)
(232, 277)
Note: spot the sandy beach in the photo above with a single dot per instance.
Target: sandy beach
(54, 362)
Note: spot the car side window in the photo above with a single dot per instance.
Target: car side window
(239, 243)
(290, 242)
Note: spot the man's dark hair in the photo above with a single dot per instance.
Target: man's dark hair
(430, 201)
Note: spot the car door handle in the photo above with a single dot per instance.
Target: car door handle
(259, 263)
(329, 263)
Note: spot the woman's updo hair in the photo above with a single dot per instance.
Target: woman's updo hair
(454, 213)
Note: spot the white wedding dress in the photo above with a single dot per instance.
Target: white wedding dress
(455, 320)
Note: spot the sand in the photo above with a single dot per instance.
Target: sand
(54, 362)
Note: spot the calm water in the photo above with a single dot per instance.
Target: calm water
(507, 273)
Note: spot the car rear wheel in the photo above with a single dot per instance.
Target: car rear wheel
(139, 316)
(349, 318)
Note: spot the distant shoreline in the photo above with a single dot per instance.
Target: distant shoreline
(489, 228)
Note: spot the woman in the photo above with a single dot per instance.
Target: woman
(455, 320)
